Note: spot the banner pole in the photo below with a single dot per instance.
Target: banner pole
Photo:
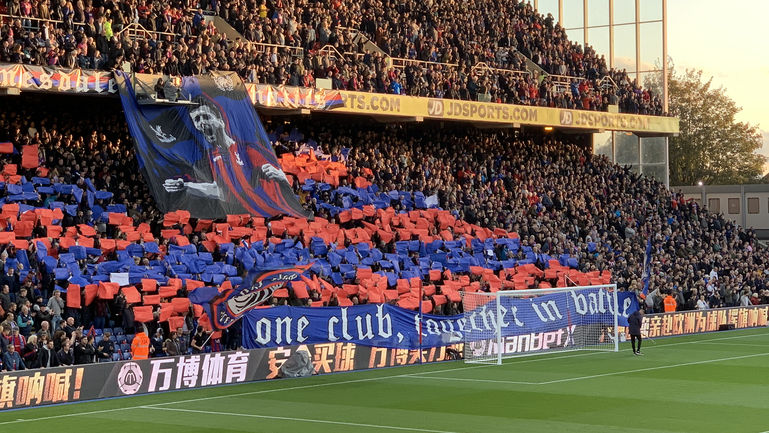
(420, 322)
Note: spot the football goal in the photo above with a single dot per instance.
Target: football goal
(512, 323)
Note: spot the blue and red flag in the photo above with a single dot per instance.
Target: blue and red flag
(227, 307)
(647, 266)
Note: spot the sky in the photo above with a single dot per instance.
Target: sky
(726, 40)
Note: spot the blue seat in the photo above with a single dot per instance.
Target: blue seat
(116, 357)
(97, 339)
(118, 331)
(98, 332)
(106, 330)
(125, 348)
(126, 356)
(120, 339)
(129, 338)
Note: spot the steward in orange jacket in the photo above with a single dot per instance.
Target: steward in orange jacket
(670, 303)
(140, 348)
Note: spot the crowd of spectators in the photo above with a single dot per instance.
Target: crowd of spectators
(447, 42)
(560, 199)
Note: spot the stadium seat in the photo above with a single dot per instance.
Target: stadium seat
(116, 356)
(98, 332)
(105, 330)
(126, 356)
(118, 331)
(129, 338)
(125, 348)
(120, 339)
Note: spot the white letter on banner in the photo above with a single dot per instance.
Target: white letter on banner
(65, 85)
(485, 320)
(97, 82)
(445, 324)
(549, 339)
(549, 308)
(369, 331)
(535, 343)
(580, 304)
(384, 322)
(514, 312)
(601, 306)
(331, 321)
(625, 306)
(593, 303)
(263, 333)
(301, 324)
(345, 334)
(45, 81)
(432, 327)
(471, 320)
(157, 370)
(27, 79)
(82, 83)
(112, 85)
(279, 329)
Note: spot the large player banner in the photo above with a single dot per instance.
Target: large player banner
(385, 325)
(210, 157)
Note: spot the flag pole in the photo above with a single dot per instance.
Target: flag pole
(420, 322)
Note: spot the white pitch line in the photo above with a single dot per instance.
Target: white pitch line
(285, 418)
(549, 358)
(67, 415)
(737, 344)
(571, 379)
(264, 391)
(654, 368)
(460, 379)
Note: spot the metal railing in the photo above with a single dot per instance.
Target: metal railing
(483, 66)
(136, 31)
(296, 52)
(33, 24)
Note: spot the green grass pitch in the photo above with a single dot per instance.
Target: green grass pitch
(715, 382)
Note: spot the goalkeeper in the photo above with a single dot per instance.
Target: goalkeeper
(634, 322)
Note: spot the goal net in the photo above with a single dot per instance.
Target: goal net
(514, 323)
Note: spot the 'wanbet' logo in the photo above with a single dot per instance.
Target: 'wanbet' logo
(129, 380)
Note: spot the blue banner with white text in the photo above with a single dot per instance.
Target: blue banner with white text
(389, 326)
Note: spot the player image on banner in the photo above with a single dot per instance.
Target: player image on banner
(229, 306)
(210, 156)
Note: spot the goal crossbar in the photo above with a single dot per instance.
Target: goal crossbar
(512, 323)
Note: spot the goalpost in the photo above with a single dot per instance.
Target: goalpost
(513, 323)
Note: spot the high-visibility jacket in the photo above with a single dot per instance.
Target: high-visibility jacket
(140, 348)
(670, 304)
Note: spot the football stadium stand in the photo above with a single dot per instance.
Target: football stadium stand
(508, 54)
(404, 214)
(396, 208)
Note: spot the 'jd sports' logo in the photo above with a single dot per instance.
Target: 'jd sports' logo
(567, 118)
(435, 107)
